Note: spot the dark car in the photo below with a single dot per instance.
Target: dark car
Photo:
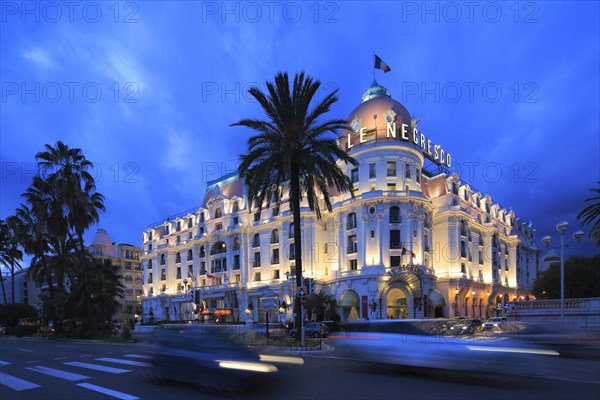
(313, 329)
(468, 327)
(212, 356)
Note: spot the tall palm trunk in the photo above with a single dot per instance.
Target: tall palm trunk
(3, 289)
(295, 203)
(12, 283)
(86, 287)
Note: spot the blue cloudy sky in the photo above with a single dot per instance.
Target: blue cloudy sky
(148, 90)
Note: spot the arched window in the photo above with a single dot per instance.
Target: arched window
(149, 264)
(256, 240)
(218, 248)
(218, 212)
(236, 243)
(202, 253)
(177, 258)
(236, 206)
(395, 214)
(189, 255)
(291, 232)
(351, 221)
(201, 217)
(274, 236)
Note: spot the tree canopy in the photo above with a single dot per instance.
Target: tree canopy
(582, 279)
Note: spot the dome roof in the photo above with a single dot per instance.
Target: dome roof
(101, 237)
(376, 110)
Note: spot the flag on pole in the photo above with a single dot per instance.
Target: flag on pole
(380, 64)
(210, 276)
(405, 252)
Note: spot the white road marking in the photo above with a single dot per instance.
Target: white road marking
(128, 362)
(4, 363)
(97, 367)
(110, 392)
(15, 383)
(69, 376)
(34, 361)
(138, 356)
(27, 350)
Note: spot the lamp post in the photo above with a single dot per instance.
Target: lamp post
(562, 228)
(473, 305)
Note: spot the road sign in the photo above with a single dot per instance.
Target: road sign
(269, 303)
(301, 292)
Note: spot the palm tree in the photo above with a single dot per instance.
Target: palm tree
(591, 215)
(40, 221)
(291, 152)
(10, 254)
(68, 170)
(321, 304)
(106, 287)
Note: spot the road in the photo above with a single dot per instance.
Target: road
(31, 369)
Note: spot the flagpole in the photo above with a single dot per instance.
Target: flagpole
(373, 65)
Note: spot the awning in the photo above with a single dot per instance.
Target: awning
(348, 299)
(436, 299)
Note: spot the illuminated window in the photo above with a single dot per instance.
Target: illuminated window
(391, 168)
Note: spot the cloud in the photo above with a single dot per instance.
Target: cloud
(39, 57)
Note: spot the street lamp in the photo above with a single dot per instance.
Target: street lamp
(562, 228)
(473, 305)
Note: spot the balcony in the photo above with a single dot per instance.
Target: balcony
(352, 248)
(393, 245)
(275, 260)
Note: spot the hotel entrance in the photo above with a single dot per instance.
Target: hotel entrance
(396, 300)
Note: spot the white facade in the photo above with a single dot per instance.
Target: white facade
(413, 242)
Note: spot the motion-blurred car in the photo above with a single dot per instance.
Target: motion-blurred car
(260, 328)
(494, 322)
(413, 343)
(313, 329)
(467, 328)
(212, 356)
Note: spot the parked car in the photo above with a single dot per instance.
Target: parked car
(313, 329)
(466, 328)
(212, 356)
(494, 322)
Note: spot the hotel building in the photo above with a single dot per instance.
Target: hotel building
(414, 240)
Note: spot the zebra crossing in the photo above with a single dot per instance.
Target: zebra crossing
(99, 364)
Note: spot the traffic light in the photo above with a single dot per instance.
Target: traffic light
(197, 296)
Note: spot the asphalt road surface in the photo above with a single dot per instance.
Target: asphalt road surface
(39, 369)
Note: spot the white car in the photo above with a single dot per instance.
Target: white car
(494, 322)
